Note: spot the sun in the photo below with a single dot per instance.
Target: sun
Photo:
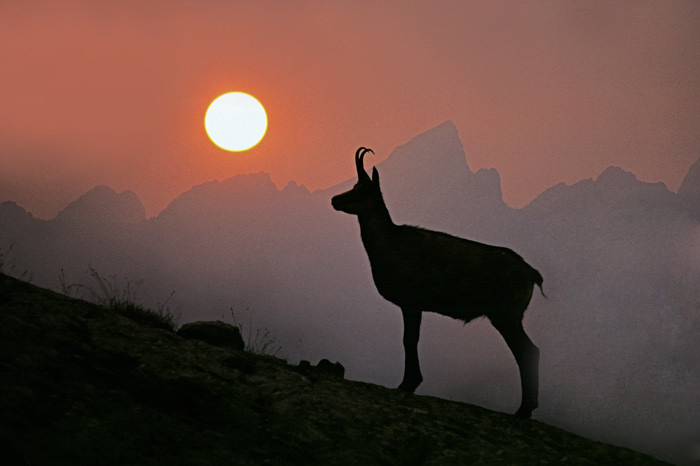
(235, 121)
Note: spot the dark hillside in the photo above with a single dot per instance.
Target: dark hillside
(80, 384)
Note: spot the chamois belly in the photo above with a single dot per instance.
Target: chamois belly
(460, 294)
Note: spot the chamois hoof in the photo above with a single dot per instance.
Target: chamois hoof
(406, 388)
(409, 386)
(525, 412)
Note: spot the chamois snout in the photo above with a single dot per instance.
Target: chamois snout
(350, 202)
(337, 202)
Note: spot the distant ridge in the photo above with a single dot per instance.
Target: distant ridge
(434, 160)
(217, 197)
(614, 187)
(104, 205)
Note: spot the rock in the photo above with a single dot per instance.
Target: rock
(304, 366)
(215, 333)
(324, 366)
(335, 369)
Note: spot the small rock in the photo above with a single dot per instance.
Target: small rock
(324, 366)
(304, 366)
(335, 369)
(215, 333)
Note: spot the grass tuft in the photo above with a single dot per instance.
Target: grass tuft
(8, 267)
(121, 299)
(144, 316)
(257, 341)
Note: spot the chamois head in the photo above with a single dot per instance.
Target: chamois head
(365, 196)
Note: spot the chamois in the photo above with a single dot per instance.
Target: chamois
(421, 270)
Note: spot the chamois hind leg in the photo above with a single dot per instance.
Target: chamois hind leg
(411, 332)
(527, 355)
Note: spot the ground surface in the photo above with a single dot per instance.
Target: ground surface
(80, 384)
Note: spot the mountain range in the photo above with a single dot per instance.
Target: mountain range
(620, 260)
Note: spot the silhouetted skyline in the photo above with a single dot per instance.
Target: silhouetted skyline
(97, 93)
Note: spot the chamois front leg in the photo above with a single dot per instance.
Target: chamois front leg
(411, 332)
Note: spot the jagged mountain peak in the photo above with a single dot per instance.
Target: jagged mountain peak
(615, 187)
(691, 182)
(13, 215)
(616, 176)
(439, 146)
(11, 208)
(615, 182)
(427, 182)
(293, 188)
(421, 162)
(215, 197)
(103, 204)
(254, 182)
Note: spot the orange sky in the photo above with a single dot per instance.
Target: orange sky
(115, 93)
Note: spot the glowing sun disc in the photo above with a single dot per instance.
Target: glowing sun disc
(235, 121)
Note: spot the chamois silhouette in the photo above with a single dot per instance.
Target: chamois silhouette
(422, 270)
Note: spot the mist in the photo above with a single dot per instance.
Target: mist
(620, 259)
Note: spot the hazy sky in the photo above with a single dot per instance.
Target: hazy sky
(115, 93)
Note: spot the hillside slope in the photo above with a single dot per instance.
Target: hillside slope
(83, 385)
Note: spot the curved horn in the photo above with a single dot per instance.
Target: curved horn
(359, 159)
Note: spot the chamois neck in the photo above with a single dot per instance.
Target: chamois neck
(375, 227)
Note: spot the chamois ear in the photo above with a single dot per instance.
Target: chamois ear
(375, 176)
